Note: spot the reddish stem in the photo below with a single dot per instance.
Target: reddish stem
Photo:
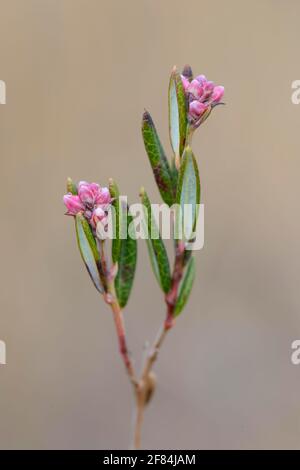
(120, 329)
(171, 298)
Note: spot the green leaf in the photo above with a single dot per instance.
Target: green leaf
(188, 193)
(185, 287)
(177, 114)
(174, 172)
(126, 265)
(89, 250)
(157, 251)
(187, 256)
(116, 242)
(71, 187)
(158, 160)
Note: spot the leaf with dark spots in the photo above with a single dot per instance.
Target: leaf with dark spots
(126, 265)
(158, 160)
(157, 251)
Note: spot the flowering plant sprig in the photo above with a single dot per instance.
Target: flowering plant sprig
(112, 268)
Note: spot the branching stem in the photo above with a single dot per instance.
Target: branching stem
(143, 386)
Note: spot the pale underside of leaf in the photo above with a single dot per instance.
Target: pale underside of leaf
(188, 193)
(177, 114)
(174, 119)
(88, 249)
(185, 287)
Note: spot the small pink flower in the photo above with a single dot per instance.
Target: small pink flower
(88, 214)
(73, 204)
(197, 109)
(217, 94)
(91, 194)
(92, 200)
(208, 88)
(195, 89)
(88, 192)
(103, 196)
(202, 95)
(98, 215)
(201, 79)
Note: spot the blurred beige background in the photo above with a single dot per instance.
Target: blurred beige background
(78, 75)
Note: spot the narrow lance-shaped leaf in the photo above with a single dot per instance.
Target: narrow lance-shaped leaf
(116, 242)
(126, 265)
(187, 255)
(89, 250)
(177, 114)
(188, 195)
(158, 160)
(185, 287)
(174, 172)
(157, 251)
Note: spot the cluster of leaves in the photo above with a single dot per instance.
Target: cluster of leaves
(123, 250)
(178, 183)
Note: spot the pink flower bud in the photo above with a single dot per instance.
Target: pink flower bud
(88, 192)
(208, 88)
(217, 94)
(73, 204)
(93, 201)
(197, 109)
(202, 96)
(88, 214)
(208, 85)
(185, 82)
(195, 89)
(103, 196)
(97, 216)
(201, 79)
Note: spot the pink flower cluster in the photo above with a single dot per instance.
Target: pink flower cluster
(92, 200)
(202, 96)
